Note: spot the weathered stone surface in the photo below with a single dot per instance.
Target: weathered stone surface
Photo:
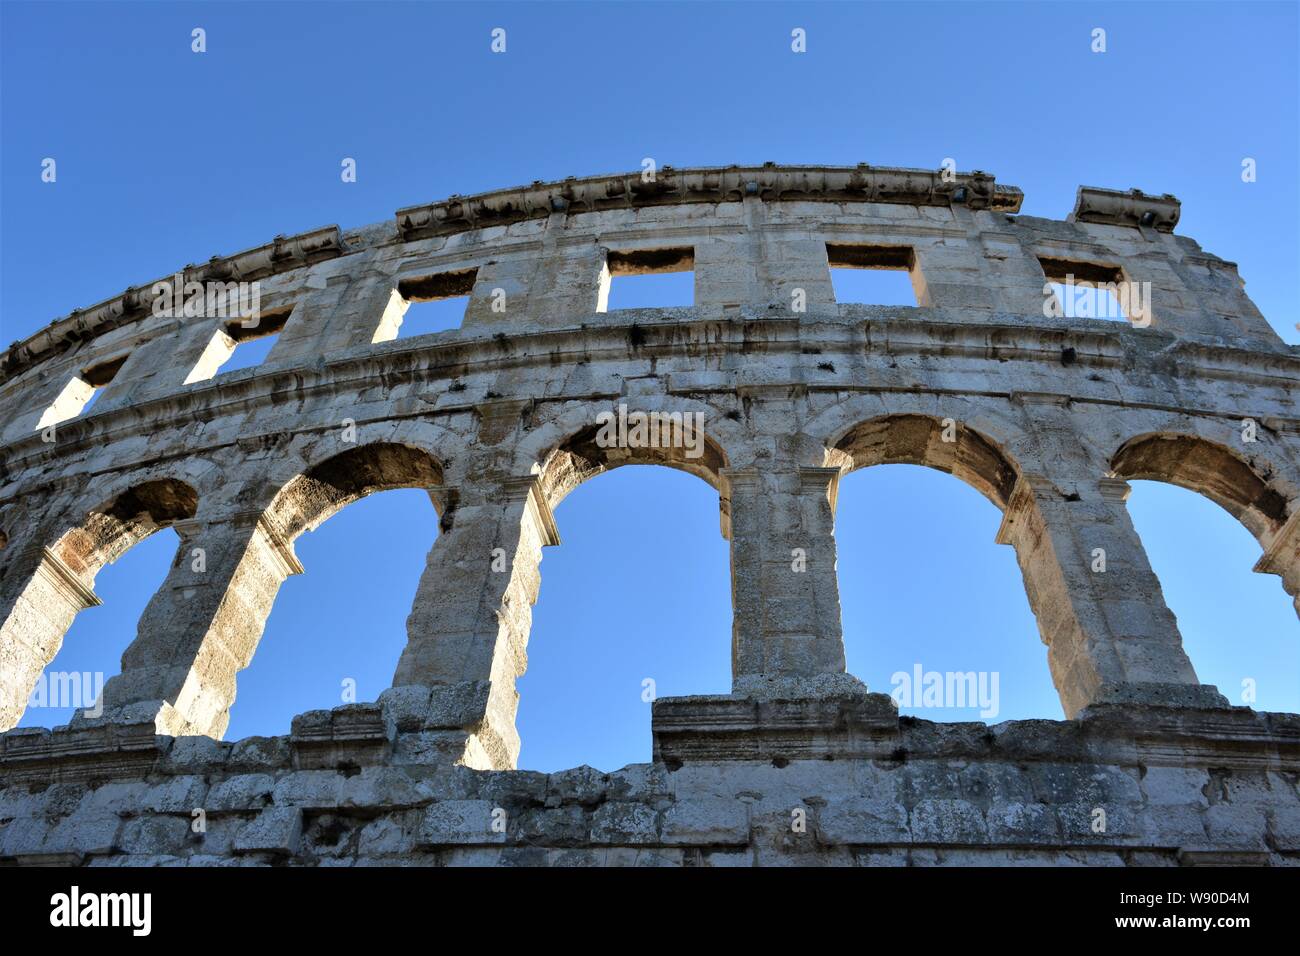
(1048, 416)
(274, 830)
(706, 823)
(460, 822)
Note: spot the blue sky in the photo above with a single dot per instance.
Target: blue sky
(167, 157)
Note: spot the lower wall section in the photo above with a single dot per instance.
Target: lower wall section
(838, 780)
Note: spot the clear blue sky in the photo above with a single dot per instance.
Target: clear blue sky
(167, 157)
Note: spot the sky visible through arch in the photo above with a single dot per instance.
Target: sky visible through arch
(166, 157)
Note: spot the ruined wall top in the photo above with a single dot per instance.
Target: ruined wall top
(538, 260)
(846, 186)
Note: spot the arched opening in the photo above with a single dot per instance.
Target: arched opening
(635, 604)
(1238, 630)
(322, 490)
(362, 523)
(1209, 469)
(678, 442)
(54, 667)
(934, 611)
(91, 650)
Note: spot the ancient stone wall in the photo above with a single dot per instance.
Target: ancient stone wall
(1048, 416)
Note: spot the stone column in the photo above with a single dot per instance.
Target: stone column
(468, 629)
(201, 627)
(784, 592)
(1100, 610)
(39, 597)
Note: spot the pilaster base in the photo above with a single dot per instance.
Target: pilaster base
(840, 723)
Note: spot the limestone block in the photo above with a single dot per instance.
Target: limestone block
(709, 823)
(460, 823)
(862, 821)
(275, 830)
(947, 821)
(621, 823)
(251, 791)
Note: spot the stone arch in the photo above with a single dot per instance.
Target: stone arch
(1251, 493)
(914, 439)
(583, 456)
(322, 489)
(469, 629)
(205, 624)
(115, 526)
(1209, 468)
(938, 441)
(54, 583)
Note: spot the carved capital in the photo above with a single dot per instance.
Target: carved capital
(528, 488)
(66, 582)
(821, 481)
(1022, 503)
(1282, 556)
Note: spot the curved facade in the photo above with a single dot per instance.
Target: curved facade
(766, 388)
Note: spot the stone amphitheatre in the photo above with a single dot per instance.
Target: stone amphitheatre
(797, 762)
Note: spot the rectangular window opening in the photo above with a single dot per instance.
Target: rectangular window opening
(872, 275)
(80, 393)
(1087, 290)
(97, 376)
(649, 279)
(248, 342)
(435, 303)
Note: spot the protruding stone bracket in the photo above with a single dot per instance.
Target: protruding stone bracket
(1114, 489)
(1114, 207)
(1284, 550)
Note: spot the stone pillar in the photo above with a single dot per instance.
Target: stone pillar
(726, 275)
(468, 630)
(163, 362)
(784, 592)
(1009, 271)
(1110, 636)
(795, 260)
(570, 277)
(512, 276)
(39, 597)
(1282, 557)
(201, 627)
(339, 311)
